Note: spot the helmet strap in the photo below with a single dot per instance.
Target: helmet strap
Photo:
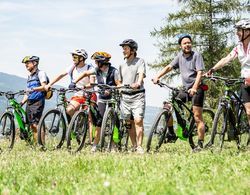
(243, 39)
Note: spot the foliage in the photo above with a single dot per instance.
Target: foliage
(210, 23)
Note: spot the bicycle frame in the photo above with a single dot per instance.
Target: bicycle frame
(19, 114)
(185, 121)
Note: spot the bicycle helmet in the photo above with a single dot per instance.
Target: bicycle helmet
(131, 43)
(243, 24)
(80, 52)
(30, 59)
(182, 36)
(100, 56)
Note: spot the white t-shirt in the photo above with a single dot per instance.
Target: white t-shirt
(244, 58)
(76, 73)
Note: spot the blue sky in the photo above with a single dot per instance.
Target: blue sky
(51, 29)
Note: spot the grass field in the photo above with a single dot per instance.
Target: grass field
(174, 170)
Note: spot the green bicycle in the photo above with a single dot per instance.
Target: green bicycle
(14, 113)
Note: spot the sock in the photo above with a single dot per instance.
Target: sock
(200, 143)
(171, 130)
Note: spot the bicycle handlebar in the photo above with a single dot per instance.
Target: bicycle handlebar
(105, 86)
(227, 81)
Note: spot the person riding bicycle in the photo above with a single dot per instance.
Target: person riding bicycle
(79, 57)
(191, 66)
(242, 51)
(105, 74)
(132, 73)
(35, 98)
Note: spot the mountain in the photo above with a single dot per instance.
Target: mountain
(15, 83)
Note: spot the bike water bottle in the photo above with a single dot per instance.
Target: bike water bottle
(116, 134)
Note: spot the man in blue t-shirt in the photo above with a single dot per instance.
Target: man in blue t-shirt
(35, 99)
(191, 66)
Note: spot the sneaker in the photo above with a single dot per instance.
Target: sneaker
(197, 149)
(93, 149)
(171, 138)
(139, 150)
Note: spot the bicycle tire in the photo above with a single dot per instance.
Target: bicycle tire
(77, 131)
(218, 128)
(208, 117)
(158, 131)
(7, 131)
(243, 128)
(52, 130)
(107, 128)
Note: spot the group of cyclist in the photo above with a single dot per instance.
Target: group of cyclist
(132, 72)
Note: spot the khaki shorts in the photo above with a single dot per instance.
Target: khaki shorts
(133, 105)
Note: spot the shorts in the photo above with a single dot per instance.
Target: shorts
(82, 99)
(34, 110)
(245, 93)
(197, 99)
(133, 105)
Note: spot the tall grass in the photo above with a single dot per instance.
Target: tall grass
(174, 170)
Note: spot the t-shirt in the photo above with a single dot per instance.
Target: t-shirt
(129, 71)
(244, 58)
(188, 67)
(76, 73)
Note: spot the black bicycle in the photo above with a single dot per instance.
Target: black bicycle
(114, 133)
(53, 124)
(78, 129)
(230, 122)
(176, 110)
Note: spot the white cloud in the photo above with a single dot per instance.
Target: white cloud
(51, 29)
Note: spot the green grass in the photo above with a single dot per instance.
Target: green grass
(174, 170)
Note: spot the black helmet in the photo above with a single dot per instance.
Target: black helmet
(131, 43)
(30, 59)
(182, 36)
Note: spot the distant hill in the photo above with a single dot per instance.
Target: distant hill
(14, 83)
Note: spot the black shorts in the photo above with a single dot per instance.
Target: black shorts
(245, 93)
(34, 110)
(197, 99)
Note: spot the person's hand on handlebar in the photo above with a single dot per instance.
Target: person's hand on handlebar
(155, 80)
(192, 91)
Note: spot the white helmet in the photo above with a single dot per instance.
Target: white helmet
(80, 52)
(243, 24)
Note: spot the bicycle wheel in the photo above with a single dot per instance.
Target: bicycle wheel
(208, 117)
(7, 131)
(243, 128)
(77, 131)
(219, 128)
(52, 130)
(158, 131)
(124, 136)
(107, 128)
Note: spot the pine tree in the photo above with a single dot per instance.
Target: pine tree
(210, 23)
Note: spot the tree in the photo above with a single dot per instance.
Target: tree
(210, 23)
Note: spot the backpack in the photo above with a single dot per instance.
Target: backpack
(49, 93)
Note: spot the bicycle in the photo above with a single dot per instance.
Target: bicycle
(114, 133)
(230, 122)
(14, 112)
(78, 128)
(53, 124)
(177, 110)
